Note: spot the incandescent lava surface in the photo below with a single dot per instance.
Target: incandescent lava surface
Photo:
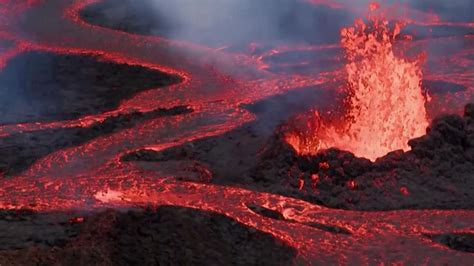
(158, 120)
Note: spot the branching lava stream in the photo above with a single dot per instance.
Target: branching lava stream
(386, 108)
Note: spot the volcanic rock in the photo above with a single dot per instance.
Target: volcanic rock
(166, 236)
(460, 241)
(37, 86)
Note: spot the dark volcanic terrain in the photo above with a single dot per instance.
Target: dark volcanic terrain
(170, 235)
(39, 86)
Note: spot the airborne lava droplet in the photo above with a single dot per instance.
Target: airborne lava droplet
(374, 6)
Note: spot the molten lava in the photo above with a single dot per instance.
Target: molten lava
(385, 104)
(384, 108)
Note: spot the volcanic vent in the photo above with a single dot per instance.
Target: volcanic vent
(385, 104)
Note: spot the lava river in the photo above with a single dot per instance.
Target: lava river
(91, 176)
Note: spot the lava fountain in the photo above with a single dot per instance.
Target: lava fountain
(385, 103)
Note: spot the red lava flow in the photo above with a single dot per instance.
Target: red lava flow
(91, 176)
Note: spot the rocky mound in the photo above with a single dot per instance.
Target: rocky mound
(436, 174)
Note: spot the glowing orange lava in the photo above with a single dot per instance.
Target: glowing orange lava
(384, 110)
(385, 104)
